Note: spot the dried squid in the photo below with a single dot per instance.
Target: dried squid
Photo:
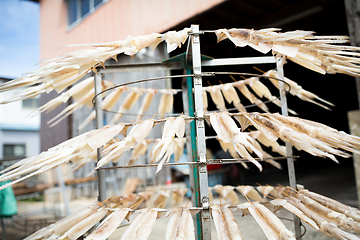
(225, 223)
(83, 226)
(227, 192)
(78, 147)
(251, 97)
(109, 224)
(317, 53)
(250, 192)
(141, 226)
(178, 196)
(274, 128)
(231, 96)
(228, 132)
(76, 92)
(332, 216)
(216, 96)
(107, 104)
(139, 150)
(268, 221)
(180, 225)
(165, 147)
(333, 204)
(329, 229)
(166, 102)
(84, 100)
(128, 103)
(60, 227)
(150, 93)
(297, 90)
(137, 134)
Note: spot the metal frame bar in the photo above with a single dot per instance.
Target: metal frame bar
(208, 161)
(289, 152)
(99, 124)
(142, 67)
(200, 133)
(188, 103)
(198, 147)
(237, 61)
(59, 174)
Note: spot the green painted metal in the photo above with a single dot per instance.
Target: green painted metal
(181, 58)
(189, 81)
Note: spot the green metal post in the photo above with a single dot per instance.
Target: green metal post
(189, 81)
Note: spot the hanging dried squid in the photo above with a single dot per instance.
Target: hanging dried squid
(332, 216)
(268, 221)
(180, 224)
(317, 53)
(107, 104)
(150, 93)
(333, 204)
(166, 102)
(216, 96)
(227, 192)
(273, 128)
(76, 92)
(228, 132)
(110, 224)
(250, 192)
(78, 147)
(137, 134)
(178, 196)
(329, 229)
(163, 150)
(225, 223)
(84, 100)
(298, 91)
(83, 226)
(142, 225)
(127, 104)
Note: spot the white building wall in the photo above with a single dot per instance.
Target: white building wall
(30, 139)
(16, 127)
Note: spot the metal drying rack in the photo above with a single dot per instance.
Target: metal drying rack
(193, 107)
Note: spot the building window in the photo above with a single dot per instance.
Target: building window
(78, 9)
(14, 150)
(30, 103)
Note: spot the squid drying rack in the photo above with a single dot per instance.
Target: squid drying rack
(193, 107)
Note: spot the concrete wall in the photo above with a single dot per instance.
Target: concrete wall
(113, 20)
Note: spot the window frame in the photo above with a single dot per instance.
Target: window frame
(34, 103)
(78, 17)
(13, 146)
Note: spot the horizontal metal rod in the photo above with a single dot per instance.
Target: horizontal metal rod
(230, 160)
(203, 74)
(237, 61)
(209, 161)
(116, 68)
(140, 81)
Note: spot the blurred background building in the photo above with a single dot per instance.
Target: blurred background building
(75, 22)
(19, 134)
(64, 22)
